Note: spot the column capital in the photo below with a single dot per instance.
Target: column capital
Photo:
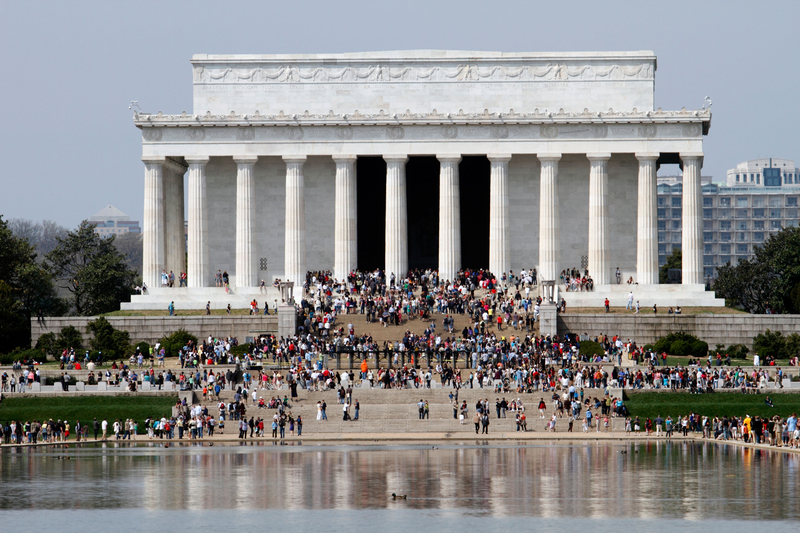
(344, 158)
(448, 158)
(153, 160)
(196, 159)
(294, 159)
(647, 156)
(598, 156)
(549, 157)
(395, 158)
(174, 166)
(500, 158)
(691, 155)
(245, 159)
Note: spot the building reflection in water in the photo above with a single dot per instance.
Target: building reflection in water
(652, 480)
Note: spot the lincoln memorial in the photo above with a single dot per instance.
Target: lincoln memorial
(419, 159)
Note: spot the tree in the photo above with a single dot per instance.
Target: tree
(175, 342)
(770, 343)
(130, 245)
(771, 280)
(41, 235)
(673, 261)
(91, 268)
(112, 343)
(25, 289)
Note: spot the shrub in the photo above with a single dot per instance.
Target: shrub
(590, 348)
(792, 345)
(24, 356)
(681, 343)
(112, 343)
(770, 343)
(699, 348)
(175, 342)
(736, 351)
(48, 344)
(70, 337)
(142, 347)
(241, 349)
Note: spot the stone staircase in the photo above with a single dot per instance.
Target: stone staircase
(396, 412)
(392, 333)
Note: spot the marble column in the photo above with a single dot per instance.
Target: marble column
(599, 248)
(345, 224)
(295, 237)
(173, 219)
(499, 236)
(396, 261)
(647, 220)
(245, 222)
(692, 231)
(549, 249)
(197, 271)
(153, 237)
(449, 217)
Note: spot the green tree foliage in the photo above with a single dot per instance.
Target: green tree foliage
(770, 280)
(91, 268)
(110, 342)
(681, 343)
(25, 289)
(792, 345)
(771, 343)
(590, 348)
(173, 343)
(48, 344)
(674, 260)
(69, 337)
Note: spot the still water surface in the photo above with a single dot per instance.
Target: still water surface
(349, 487)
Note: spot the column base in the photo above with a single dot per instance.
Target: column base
(194, 298)
(664, 296)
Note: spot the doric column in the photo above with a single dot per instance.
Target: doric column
(245, 222)
(449, 217)
(345, 227)
(599, 251)
(499, 239)
(692, 232)
(295, 241)
(173, 218)
(549, 250)
(647, 221)
(153, 238)
(396, 218)
(197, 273)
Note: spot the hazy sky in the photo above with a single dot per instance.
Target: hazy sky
(69, 69)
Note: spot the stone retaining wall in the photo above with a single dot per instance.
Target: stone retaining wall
(712, 328)
(152, 328)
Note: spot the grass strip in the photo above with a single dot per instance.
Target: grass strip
(86, 408)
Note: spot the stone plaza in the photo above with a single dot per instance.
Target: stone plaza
(419, 160)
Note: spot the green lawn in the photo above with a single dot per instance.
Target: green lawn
(652, 404)
(85, 408)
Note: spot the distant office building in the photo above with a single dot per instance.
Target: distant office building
(767, 172)
(737, 216)
(112, 221)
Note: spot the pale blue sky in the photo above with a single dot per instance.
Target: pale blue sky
(69, 69)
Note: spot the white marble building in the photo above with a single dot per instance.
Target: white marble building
(305, 162)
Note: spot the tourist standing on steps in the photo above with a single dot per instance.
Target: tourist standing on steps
(421, 407)
(630, 301)
(319, 410)
(477, 421)
(356, 407)
(485, 423)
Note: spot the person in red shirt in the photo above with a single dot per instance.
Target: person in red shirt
(607, 303)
